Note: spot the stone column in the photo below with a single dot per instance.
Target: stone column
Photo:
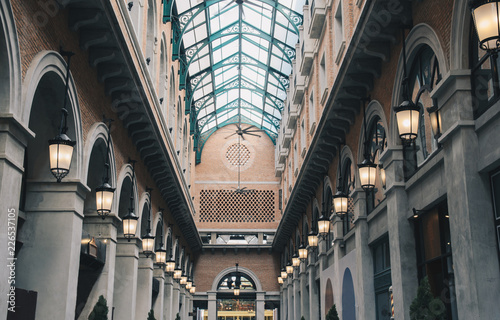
(401, 236)
(159, 306)
(125, 286)
(212, 305)
(365, 290)
(284, 300)
(291, 316)
(338, 251)
(182, 303)
(176, 299)
(13, 141)
(473, 238)
(313, 290)
(49, 260)
(260, 306)
(168, 297)
(104, 230)
(296, 294)
(144, 287)
(304, 296)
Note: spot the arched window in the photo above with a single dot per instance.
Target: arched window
(151, 37)
(424, 71)
(163, 81)
(328, 212)
(378, 142)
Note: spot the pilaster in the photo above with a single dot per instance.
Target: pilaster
(144, 287)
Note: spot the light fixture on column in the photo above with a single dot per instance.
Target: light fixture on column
(170, 264)
(340, 198)
(61, 147)
(382, 175)
(189, 283)
(323, 226)
(487, 23)
(104, 192)
(435, 118)
(312, 239)
(280, 280)
(237, 283)
(295, 260)
(289, 268)
(130, 220)
(284, 275)
(302, 252)
(183, 279)
(177, 273)
(148, 240)
(193, 289)
(367, 169)
(161, 253)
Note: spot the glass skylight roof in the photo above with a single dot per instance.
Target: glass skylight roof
(238, 59)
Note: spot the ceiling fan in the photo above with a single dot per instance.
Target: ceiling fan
(240, 5)
(239, 189)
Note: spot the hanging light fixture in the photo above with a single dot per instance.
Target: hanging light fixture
(312, 239)
(104, 192)
(130, 220)
(170, 264)
(302, 252)
(177, 273)
(183, 279)
(161, 253)
(295, 260)
(280, 280)
(340, 198)
(61, 147)
(407, 113)
(487, 23)
(189, 283)
(284, 275)
(367, 169)
(193, 289)
(323, 226)
(237, 283)
(382, 175)
(289, 268)
(148, 240)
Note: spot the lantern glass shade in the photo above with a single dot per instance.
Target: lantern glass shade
(407, 118)
(323, 226)
(148, 244)
(295, 261)
(340, 201)
(302, 253)
(280, 280)
(177, 274)
(129, 225)
(183, 280)
(161, 256)
(367, 174)
(60, 154)
(192, 290)
(189, 284)
(284, 275)
(312, 239)
(289, 269)
(435, 119)
(236, 291)
(485, 14)
(382, 176)
(170, 266)
(104, 199)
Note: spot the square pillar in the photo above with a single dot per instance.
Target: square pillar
(260, 306)
(106, 231)
(175, 299)
(167, 303)
(291, 315)
(158, 306)
(144, 287)
(49, 260)
(284, 300)
(296, 295)
(212, 305)
(313, 294)
(125, 286)
(304, 295)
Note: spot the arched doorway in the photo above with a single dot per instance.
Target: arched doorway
(233, 305)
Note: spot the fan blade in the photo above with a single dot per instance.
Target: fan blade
(256, 5)
(253, 134)
(254, 130)
(242, 137)
(230, 135)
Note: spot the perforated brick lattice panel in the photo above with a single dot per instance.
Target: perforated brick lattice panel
(350, 210)
(237, 152)
(229, 206)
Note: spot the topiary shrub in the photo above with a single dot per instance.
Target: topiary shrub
(332, 314)
(425, 306)
(100, 311)
(151, 315)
